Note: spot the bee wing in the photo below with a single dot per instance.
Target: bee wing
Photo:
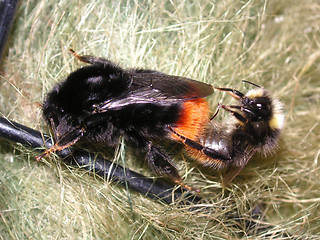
(171, 87)
(233, 171)
(139, 96)
(157, 88)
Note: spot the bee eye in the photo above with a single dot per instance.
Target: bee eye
(259, 105)
(258, 108)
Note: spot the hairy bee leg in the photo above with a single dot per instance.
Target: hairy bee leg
(205, 150)
(187, 187)
(234, 93)
(237, 115)
(53, 149)
(65, 142)
(53, 129)
(91, 59)
(161, 164)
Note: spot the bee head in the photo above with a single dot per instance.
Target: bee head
(256, 110)
(257, 105)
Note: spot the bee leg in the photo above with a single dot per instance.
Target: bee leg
(216, 154)
(65, 142)
(216, 113)
(162, 165)
(53, 129)
(237, 115)
(159, 162)
(91, 59)
(234, 93)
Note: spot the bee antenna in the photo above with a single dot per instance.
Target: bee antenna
(256, 85)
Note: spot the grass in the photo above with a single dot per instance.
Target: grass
(271, 43)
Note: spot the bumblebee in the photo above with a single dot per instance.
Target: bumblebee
(255, 127)
(102, 102)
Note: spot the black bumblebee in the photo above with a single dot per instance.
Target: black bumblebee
(103, 102)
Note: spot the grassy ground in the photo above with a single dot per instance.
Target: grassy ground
(271, 43)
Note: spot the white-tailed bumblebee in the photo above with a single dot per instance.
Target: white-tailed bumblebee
(255, 127)
(102, 102)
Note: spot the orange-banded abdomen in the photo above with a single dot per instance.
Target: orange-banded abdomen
(212, 148)
(193, 119)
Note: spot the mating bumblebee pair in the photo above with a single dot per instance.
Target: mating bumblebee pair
(103, 102)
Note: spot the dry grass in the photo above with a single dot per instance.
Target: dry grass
(272, 43)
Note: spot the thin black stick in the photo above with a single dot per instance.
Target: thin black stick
(152, 188)
(7, 13)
